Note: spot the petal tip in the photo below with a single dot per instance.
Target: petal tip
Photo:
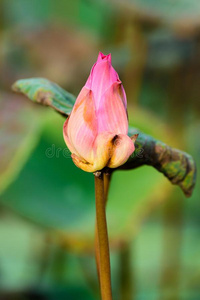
(82, 164)
(102, 57)
(123, 149)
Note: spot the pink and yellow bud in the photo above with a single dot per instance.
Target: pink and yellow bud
(96, 130)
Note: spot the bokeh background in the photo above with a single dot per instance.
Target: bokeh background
(47, 207)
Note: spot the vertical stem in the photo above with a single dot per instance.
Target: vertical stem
(103, 245)
(106, 180)
(96, 243)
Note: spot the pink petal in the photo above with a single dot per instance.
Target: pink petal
(123, 96)
(82, 125)
(123, 148)
(111, 114)
(66, 138)
(101, 57)
(101, 77)
(103, 150)
(111, 150)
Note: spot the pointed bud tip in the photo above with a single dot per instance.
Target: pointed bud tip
(102, 57)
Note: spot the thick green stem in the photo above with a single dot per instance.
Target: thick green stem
(102, 244)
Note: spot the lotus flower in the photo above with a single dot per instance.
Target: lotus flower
(96, 130)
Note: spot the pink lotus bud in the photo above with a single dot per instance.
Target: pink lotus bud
(96, 130)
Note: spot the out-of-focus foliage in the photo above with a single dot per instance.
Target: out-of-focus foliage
(20, 125)
(155, 49)
(181, 13)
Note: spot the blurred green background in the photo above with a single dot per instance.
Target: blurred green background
(47, 207)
